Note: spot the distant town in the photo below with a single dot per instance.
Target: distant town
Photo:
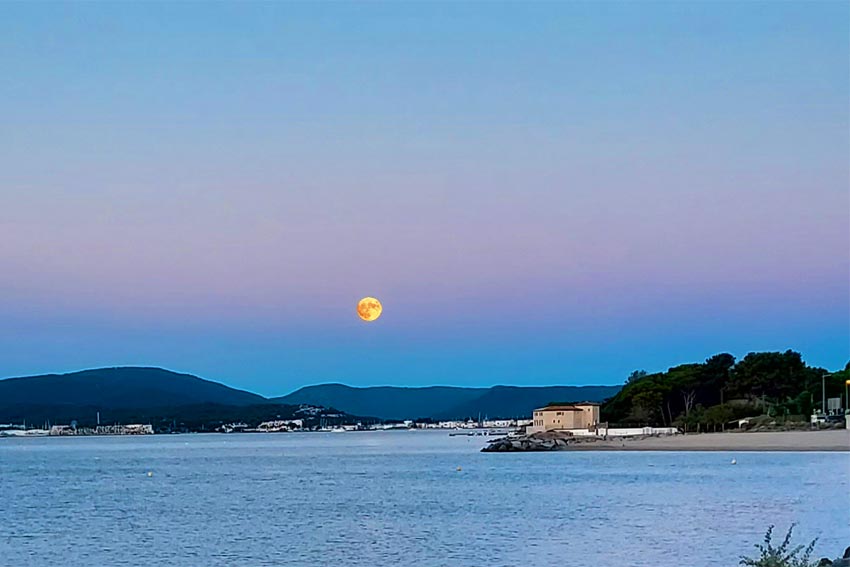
(326, 422)
(574, 420)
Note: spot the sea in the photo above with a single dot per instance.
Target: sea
(404, 498)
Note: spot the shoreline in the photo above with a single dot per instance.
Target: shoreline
(763, 441)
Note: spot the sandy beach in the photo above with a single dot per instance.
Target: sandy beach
(832, 440)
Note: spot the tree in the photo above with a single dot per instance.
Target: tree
(687, 381)
(777, 375)
(716, 374)
(780, 381)
(693, 420)
(646, 406)
(717, 415)
(799, 405)
(720, 363)
(688, 398)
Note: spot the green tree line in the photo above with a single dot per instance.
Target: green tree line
(703, 396)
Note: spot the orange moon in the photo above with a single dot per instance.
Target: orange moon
(369, 308)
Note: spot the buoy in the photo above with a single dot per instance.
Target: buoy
(150, 474)
(734, 462)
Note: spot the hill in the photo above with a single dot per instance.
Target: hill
(169, 401)
(443, 402)
(80, 395)
(121, 388)
(152, 394)
(520, 401)
(385, 402)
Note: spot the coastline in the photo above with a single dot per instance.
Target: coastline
(763, 441)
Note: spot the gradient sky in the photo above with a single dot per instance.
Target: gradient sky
(553, 193)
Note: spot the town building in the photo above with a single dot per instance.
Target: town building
(584, 415)
(129, 429)
(62, 430)
(280, 425)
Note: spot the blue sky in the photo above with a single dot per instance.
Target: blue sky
(549, 193)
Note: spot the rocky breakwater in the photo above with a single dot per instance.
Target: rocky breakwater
(543, 441)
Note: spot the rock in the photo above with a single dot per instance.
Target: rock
(545, 441)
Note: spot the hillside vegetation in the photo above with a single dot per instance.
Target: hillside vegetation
(706, 395)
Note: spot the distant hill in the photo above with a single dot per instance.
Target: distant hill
(443, 402)
(82, 394)
(520, 401)
(121, 388)
(385, 402)
(161, 396)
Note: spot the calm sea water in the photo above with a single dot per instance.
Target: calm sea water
(384, 498)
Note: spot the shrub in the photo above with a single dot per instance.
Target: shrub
(783, 555)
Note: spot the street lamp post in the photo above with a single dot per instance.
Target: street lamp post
(846, 399)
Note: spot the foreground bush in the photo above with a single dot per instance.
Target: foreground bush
(783, 555)
(786, 556)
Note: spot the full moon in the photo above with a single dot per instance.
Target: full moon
(369, 308)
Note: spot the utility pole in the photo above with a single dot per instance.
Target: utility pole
(846, 399)
(823, 392)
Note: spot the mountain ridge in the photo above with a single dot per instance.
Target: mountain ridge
(443, 402)
(170, 401)
(138, 388)
(121, 387)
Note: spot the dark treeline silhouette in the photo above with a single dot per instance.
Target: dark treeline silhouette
(707, 395)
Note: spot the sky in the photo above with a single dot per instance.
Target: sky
(550, 193)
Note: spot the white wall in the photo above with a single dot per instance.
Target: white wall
(618, 432)
(630, 431)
